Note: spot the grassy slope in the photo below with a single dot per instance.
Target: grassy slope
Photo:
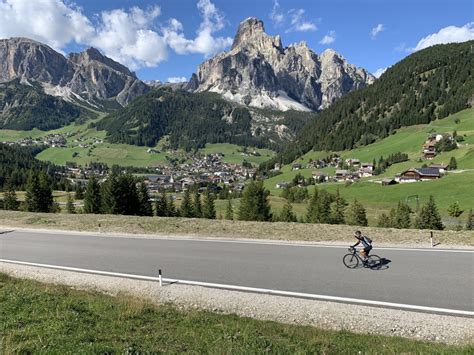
(377, 198)
(39, 318)
(232, 153)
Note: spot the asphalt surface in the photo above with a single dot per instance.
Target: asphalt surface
(424, 278)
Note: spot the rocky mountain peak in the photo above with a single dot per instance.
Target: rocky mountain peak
(248, 28)
(89, 75)
(258, 71)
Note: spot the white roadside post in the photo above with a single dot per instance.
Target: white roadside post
(431, 239)
(160, 280)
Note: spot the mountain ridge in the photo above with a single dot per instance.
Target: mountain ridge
(87, 76)
(258, 71)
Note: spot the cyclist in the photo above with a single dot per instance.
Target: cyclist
(366, 243)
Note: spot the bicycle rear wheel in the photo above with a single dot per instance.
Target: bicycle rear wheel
(350, 260)
(374, 262)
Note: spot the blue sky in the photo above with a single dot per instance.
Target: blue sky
(162, 39)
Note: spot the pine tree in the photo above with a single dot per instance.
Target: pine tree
(197, 206)
(79, 195)
(337, 210)
(208, 208)
(356, 214)
(33, 193)
(254, 205)
(453, 164)
(229, 212)
(70, 204)
(287, 214)
(312, 212)
(186, 209)
(161, 205)
(171, 210)
(10, 201)
(454, 210)
(324, 207)
(429, 216)
(470, 221)
(108, 192)
(402, 219)
(146, 208)
(383, 221)
(46, 193)
(92, 197)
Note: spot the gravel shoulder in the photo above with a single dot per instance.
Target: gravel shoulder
(328, 315)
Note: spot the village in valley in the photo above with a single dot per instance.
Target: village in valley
(351, 170)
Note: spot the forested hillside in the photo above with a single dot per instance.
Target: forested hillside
(16, 162)
(190, 120)
(427, 85)
(24, 107)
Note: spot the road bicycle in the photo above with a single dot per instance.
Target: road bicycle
(354, 260)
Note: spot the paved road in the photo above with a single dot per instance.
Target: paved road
(423, 278)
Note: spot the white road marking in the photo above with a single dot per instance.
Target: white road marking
(240, 241)
(253, 289)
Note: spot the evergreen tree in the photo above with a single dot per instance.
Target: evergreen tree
(312, 212)
(92, 197)
(454, 210)
(145, 206)
(161, 205)
(10, 201)
(453, 164)
(33, 193)
(287, 214)
(46, 193)
(186, 209)
(383, 221)
(108, 191)
(356, 214)
(324, 207)
(429, 216)
(229, 212)
(470, 221)
(254, 205)
(208, 208)
(337, 210)
(120, 195)
(79, 195)
(197, 206)
(402, 219)
(171, 210)
(70, 204)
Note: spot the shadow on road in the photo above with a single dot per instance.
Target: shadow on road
(382, 265)
(6, 232)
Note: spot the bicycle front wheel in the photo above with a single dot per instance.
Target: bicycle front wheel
(350, 260)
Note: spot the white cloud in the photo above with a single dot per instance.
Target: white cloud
(376, 30)
(329, 38)
(128, 37)
(276, 15)
(379, 72)
(205, 42)
(450, 34)
(177, 79)
(298, 23)
(47, 21)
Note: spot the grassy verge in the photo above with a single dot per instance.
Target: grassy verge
(41, 318)
(229, 229)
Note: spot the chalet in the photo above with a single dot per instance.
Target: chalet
(342, 175)
(443, 168)
(366, 169)
(429, 149)
(352, 162)
(388, 181)
(277, 167)
(296, 166)
(419, 174)
(282, 185)
(319, 176)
